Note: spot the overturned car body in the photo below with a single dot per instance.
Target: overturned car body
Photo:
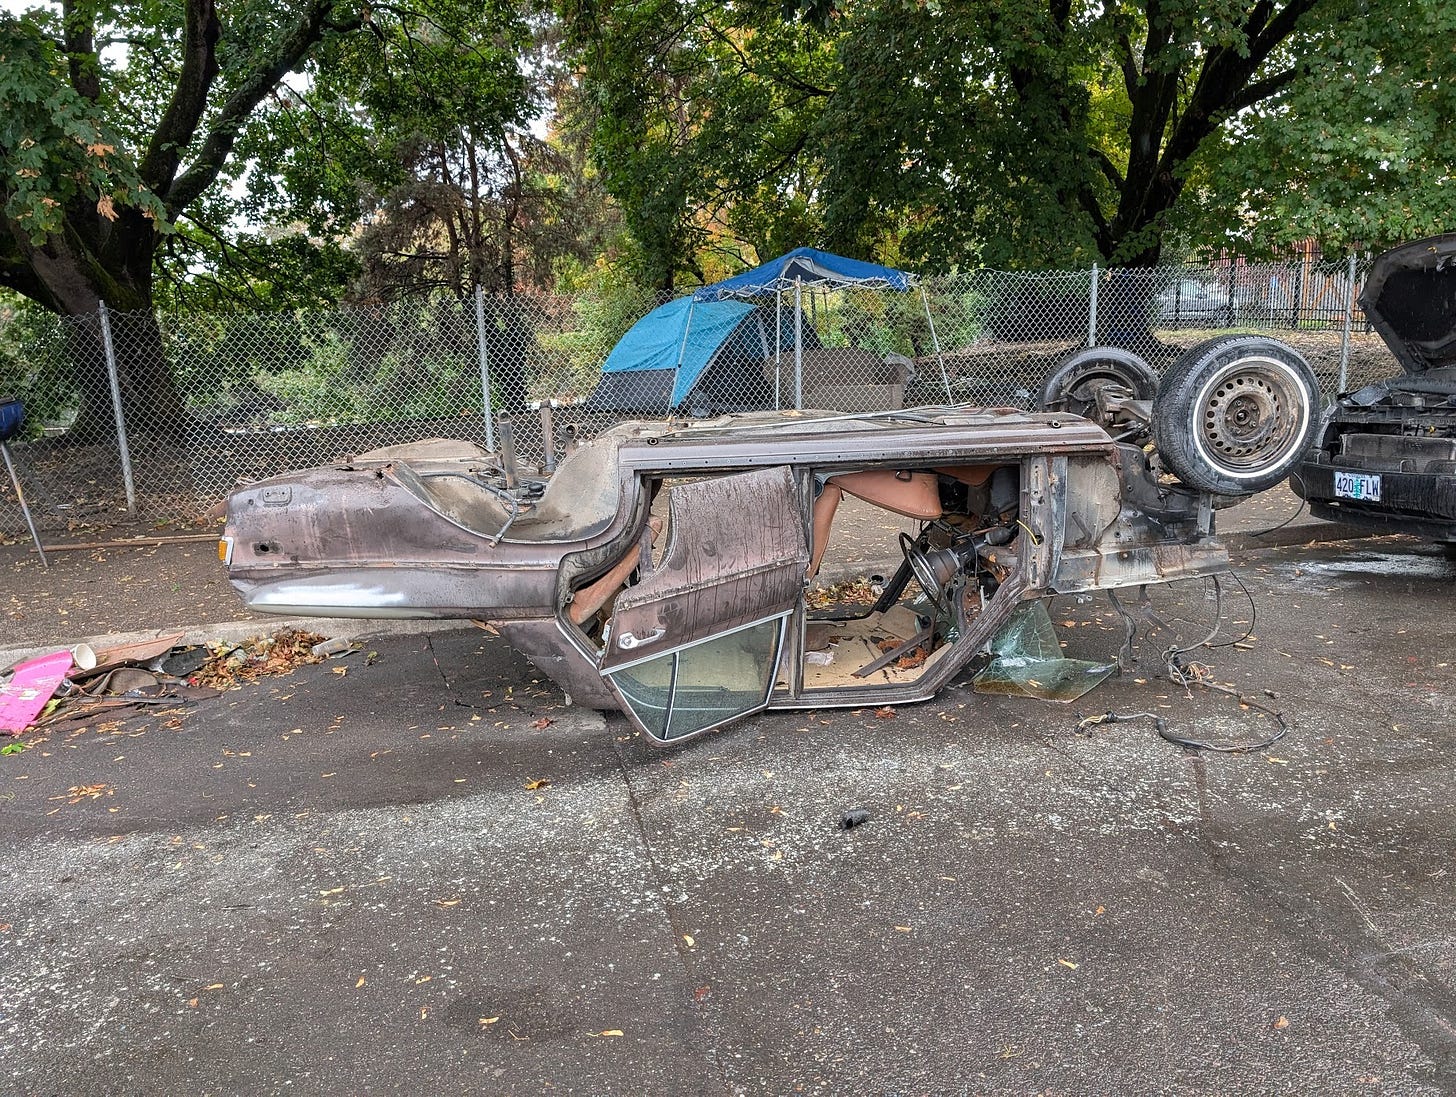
(1387, 457)
(663, 568)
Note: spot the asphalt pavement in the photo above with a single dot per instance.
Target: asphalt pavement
(428, 874)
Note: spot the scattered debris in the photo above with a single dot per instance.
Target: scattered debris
(334, 646)
(50, 693)
(852, 818)
(864, 590)
(31, 686)
(228, 666)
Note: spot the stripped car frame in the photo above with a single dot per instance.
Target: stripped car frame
(663, 569)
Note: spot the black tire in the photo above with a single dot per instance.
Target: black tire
(1072, 386)
(1235, 414)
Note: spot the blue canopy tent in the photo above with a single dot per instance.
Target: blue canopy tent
(813, 269)
(702, 356)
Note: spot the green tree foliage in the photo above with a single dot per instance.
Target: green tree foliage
(1019, 132)
(1358, 153)
(121, 120)
(188, 154)
(699, 116)
(465, 193)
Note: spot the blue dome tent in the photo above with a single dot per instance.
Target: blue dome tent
(709, 353)
(809, 268)
(702, 357)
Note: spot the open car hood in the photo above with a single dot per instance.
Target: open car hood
(1410, 299)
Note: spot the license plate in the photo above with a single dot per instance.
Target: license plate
(1357, 485)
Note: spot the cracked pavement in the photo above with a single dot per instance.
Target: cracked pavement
(429, 873)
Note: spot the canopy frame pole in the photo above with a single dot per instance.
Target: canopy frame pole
(935, 342)
(778, 357)
(682, 349)
(799, 344)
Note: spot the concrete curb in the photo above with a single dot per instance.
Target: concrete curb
(1295, 533)
(341, 628)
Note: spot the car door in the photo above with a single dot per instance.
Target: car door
(696, 642)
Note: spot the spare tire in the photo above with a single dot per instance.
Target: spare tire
(1072, 386)
(1235, 414)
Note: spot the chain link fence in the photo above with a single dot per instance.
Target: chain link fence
(162, 417)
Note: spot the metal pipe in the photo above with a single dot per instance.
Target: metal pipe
(548, 437)
(799, 343)
(508, 452)
(24, 506)
(121, 444)
(935, 342)
(1092, 310)
(778, 348)
(1349, 323)
(484, 368)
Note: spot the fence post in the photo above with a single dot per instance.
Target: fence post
(799, 343)
(1231, 305)
(1298, 300)
(484, 368)
(109, 346)
(1092, 310)
(1349, 323)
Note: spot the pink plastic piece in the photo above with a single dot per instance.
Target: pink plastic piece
(28, 690)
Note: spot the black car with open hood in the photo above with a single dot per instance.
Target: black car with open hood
(1387, 456)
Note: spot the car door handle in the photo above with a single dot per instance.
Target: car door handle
(627, 641)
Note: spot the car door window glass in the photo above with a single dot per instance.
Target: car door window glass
(704, 684)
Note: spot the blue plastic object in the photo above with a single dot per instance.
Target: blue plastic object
(12, 414)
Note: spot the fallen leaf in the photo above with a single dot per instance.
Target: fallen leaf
(884, 713)
(607, 1032)
(447, 902)
(1282, 1022)
(360, 983)
(903, 929)
(688, 940)
(489, 1020)
(543, 723)
(214, 986)
(1067, 963)
(539, 783)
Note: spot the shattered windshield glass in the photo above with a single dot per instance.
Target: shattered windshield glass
(1028, 661)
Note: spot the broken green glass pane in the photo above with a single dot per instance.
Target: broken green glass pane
(1028, 661)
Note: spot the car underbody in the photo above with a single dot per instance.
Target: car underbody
(662, 568)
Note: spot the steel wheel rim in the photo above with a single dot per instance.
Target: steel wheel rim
(1251, 416)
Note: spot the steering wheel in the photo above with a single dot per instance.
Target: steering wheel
(924, 570)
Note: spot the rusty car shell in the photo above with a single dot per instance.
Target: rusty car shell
(431, 530)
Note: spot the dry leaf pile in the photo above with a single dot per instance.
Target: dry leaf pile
(857, 591)
(229, 666)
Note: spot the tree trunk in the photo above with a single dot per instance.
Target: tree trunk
(74, 280)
